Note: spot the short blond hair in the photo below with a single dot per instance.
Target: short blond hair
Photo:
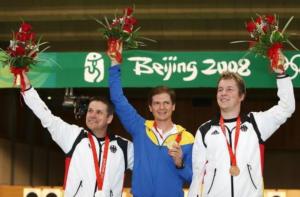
(237, 78)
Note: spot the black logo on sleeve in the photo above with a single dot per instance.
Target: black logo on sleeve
(244, 128)
(113, 148)
(215, 132)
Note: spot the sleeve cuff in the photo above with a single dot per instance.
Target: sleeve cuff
(281, 76)
(113, 64)
(28, 88)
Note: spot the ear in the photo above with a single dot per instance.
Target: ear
(150, 108)
(173, 107)
(242, 97)
(110, 118)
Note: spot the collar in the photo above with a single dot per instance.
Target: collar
(216, 119)
(150, 125)
(111, 136)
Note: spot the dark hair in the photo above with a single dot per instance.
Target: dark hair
(237, 78)
(106, 101)
(160, 90)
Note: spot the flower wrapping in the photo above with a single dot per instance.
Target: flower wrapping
(122, 30)
(275, 55)
(113, 48)
(267, 40)
(22, 52)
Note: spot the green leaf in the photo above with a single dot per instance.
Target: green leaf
(287, 24)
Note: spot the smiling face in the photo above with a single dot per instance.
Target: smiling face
(98, 118)
(162, 107)
(229, 97)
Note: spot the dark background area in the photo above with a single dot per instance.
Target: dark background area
(193, 107)
(189, 25)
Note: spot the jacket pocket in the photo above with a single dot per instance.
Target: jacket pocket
(78, 188)
(250, 175)
(212, 182)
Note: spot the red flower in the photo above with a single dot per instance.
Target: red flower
(25, 36)
(130, 21)
(265, 28)
(30, 36)
(128, 11)
(127, 28)
(258, 20)
(21, 36)
(25, 27)
(251, 26)
(270, 19)
(20, 51)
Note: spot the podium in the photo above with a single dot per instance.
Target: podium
(42, 192)
(275, 193)
(32, 192)
(52, 192)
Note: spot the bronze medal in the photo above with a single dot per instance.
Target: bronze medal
(99, 193)
(234, 170)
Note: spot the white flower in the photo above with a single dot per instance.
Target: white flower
(13, 45)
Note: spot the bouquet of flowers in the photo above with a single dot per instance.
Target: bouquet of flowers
(121, 30)
(22, 52)
(267, 39)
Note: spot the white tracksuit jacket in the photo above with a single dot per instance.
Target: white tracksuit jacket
(211, 160)
(81, 178)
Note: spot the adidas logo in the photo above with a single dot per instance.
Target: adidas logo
(215, 132)
(244, 128)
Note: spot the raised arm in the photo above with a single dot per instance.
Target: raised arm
(125, 111)
(269, 121)
(61, 132)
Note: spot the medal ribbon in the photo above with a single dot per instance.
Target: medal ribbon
(156, 130)
(99, 175)
(178, 137)
(236, 137)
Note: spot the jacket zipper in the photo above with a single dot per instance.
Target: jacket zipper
(167, 138)
(163, 142)
(249, 168)
(213, 180)
(80, 185)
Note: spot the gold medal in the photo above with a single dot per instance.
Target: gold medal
(234, 170)
(171, 144)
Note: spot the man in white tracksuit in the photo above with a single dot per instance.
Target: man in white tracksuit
(229, 149)
(83, 148)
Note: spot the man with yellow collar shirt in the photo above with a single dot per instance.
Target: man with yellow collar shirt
(162, 149)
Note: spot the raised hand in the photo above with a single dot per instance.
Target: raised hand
(279, 69)
(26, 80)
(114, 51)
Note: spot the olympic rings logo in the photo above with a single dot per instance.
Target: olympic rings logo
(292, 65)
